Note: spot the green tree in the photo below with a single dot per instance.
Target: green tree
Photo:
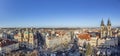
(88, 50)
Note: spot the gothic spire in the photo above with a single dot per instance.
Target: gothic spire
(102, 23)
(109, 22)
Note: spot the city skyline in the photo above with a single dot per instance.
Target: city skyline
(62, 13)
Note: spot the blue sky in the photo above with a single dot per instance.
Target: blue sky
(58, 13)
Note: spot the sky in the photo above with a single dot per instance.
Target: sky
(58, 13)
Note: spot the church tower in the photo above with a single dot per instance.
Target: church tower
(109, 32)
(26, 35)
(106, 30)
(102, 28)
(20, 35)
(31, 37)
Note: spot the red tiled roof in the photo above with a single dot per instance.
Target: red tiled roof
(84, 36)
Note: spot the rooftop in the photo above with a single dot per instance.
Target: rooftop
(84, 36)
(4, 42)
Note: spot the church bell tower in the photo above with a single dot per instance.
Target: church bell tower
(102, 28)
(105, 29)
(109, 32)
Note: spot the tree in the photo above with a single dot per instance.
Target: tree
(22, 54)
(88, 50)
(34, 53)
(84, 45)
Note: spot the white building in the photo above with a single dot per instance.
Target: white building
(93, 41)
(8, 46)
(112, 41)
(54, 42)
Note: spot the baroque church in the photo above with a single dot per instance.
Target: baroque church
(27, 38)
(106, 29)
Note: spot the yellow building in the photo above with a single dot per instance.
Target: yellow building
(32, 40)
(31, 37)
(27, 39)
(18, 36)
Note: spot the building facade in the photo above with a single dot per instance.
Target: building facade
(8, 46)
(106, 36)
(105, 30)
(27, 38)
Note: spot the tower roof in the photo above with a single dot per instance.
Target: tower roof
(109, 22)
(102, 23)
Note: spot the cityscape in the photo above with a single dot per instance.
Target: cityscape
(59, 28)
(102, 41)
